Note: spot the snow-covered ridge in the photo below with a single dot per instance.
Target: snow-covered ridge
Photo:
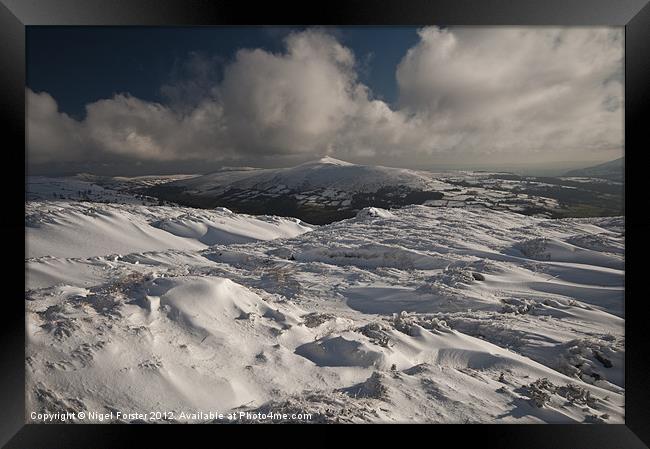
(317, 192)
(83, 229)
(330, 161)
(328, 190)
(323, 173)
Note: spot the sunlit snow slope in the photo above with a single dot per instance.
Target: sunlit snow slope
(415, 314)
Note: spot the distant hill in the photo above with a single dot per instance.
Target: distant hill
(318, 192)
(612, 170)
(328, 190)
(324, 173)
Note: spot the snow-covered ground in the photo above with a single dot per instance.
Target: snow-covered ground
(417, 314)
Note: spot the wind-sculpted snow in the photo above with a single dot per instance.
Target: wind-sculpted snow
(417, 314)
(75, 229)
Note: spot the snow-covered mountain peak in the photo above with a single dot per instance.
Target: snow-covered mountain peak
(325, 162)
(332, 161)
(318, 192)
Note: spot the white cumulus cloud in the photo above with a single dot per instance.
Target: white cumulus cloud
(465, 94)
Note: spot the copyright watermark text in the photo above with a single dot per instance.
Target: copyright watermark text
(171, 416)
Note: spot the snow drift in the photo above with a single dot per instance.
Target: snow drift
(417, 314)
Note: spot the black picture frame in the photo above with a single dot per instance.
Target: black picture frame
(634, 15)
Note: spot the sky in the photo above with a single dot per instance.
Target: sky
(148, 100)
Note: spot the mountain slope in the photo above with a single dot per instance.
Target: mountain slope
(84, 229)
(324, 173)
(318, 192)
(612, 170)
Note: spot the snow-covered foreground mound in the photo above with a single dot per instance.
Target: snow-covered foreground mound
(83, 229)
(418, 314)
